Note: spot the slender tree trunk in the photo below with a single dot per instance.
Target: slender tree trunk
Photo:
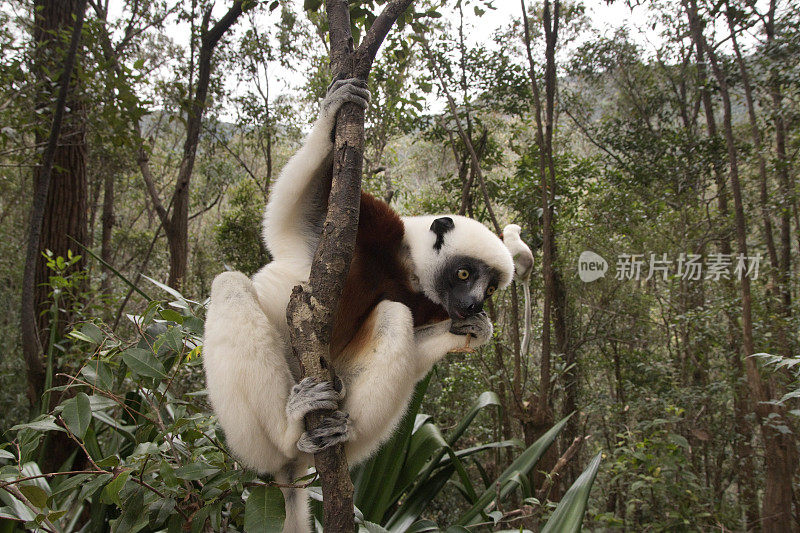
(745, 475)
(787, 194)
(540, 412)
(107, 219)
(777, 272)
(311, 309)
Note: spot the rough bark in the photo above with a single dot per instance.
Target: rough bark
(311, 308)
(59, 199)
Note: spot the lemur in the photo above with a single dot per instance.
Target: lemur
(414, 292)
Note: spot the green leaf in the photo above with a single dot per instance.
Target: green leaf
(133, 517)
(5, 454)
(160, 510)
(171, 315)
(77, 414)
(484, 400)
(111, 491)
(195, 471)
(419, 498)
(89, 333)
(264, 511)
(71, 482)
(376, 481)
(8, 512)
(36, 495)
(311, 5)
(144, 363)
(177, 295)
(92, 486)
(568, 516)
(521, 465)
(98, 374)
(43, 424)
(168, 474)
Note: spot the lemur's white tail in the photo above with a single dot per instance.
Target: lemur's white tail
(526, 337)
(298, 516)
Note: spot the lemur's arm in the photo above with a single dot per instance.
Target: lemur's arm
(298, 200)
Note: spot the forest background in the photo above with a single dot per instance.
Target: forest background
(668, 148)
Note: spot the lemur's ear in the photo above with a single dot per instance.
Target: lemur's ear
(441, 226)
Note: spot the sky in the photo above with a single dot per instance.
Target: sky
(603, 17)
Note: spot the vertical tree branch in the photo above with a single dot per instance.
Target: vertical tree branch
(311, 308)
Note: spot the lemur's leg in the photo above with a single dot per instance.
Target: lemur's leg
(248, 380)
(436, 340)
(297, 202)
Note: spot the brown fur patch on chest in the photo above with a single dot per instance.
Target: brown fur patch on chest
(377, 273)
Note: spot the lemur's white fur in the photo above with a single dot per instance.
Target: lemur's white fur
(523, 268)
(250, 371)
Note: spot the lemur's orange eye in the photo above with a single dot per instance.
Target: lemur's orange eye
(463, 273)
(490, 290)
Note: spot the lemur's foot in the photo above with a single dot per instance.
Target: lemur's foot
(477, 326)
(312, 395)
(333, 430)
(341, 91)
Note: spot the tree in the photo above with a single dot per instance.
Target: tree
(311, 308)
(58, 212)
(175, 217)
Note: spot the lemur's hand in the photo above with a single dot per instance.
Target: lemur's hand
(342, 91)
(477, 326)
(312, 395)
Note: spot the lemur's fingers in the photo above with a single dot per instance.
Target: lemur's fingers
(343, 91)
(339, 82)
(311, 395)
(333, 430)
(478, 326)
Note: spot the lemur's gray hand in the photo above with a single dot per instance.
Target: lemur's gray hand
(312, 395)
(478, 326)
(333, 430)
(342, 91)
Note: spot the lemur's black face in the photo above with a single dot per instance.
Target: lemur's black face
(463, 283)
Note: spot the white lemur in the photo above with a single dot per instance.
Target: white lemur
(414, 292)
(523, 267)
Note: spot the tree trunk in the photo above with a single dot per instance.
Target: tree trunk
(310, 325)
(60, 192)
(65, 147)
(539, 417)
(107, 221)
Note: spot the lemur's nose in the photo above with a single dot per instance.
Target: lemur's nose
(474, 308)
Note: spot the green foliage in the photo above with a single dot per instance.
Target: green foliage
(238, 234)
(150, 456)
(148, 452)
